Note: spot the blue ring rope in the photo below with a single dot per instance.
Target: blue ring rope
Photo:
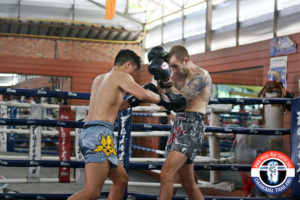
(143, 114)
(45, 93)
(148, 166)
(144, 148)
(79, 95)
(143, 127)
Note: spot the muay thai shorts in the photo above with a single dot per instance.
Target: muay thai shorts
(186, 134)
(97, 142)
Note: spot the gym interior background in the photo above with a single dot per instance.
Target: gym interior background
(64, 45)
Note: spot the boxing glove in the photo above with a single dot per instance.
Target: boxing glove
(161, 72)
(172, 101)
(133, 101)
(158, 52)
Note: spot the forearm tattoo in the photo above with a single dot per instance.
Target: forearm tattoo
(195, 86)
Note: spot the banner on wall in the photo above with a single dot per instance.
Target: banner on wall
(110, 9)
(278, 66)
(282, 46)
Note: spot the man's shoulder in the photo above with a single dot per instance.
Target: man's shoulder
(200, 71)
(120, 75)
(99, 77)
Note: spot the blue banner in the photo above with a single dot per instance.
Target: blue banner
(295, 146)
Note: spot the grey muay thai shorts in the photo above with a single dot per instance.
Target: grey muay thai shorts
(186, 134)
(97, 143)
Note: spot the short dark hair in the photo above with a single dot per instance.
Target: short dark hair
(126, 55)
(179, 51)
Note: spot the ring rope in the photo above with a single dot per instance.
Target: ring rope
(133, 133)
(132, 165)
(198, 159)
(56, 133)
(78, 95)
(159, 152)
(201, 184)
(141, 127)
(45, 93)
(160, 114)
(56, 106)
(152, 108)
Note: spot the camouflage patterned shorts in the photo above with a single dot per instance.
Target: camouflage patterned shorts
(186, 134)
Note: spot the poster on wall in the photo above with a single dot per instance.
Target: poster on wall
(282, 46)
(278, 70)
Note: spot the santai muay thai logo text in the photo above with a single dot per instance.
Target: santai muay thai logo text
(273, 172)
(122, 138)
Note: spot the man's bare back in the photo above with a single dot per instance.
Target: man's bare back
(106, 96)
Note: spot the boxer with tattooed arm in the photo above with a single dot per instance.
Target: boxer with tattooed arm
(187, 131)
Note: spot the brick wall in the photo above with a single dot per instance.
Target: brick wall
(90, 51)
(81, 61)
(27, 47)
(62, 49)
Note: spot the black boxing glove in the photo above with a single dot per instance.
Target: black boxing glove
(171, 101)
(133, 101)
(166, 83)
(161, 71)
(158, 52)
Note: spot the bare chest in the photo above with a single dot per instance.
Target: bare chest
(180, 84)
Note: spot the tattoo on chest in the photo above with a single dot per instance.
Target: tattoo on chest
(195, 86)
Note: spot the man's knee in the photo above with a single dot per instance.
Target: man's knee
(94, 194)
(166, 177)
(122, 180)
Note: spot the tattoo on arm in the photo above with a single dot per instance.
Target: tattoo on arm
(195, 86)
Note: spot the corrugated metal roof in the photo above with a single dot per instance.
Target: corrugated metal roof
(68, 19)
(67, 30)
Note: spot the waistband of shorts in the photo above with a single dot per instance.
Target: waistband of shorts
(92, 123)
(191, 114)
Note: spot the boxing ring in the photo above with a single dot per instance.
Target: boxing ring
(124, 129)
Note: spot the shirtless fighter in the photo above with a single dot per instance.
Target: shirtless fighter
(97, 141)
(185, 139)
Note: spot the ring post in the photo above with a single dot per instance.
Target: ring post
(3, 136)
(123, 145)
(11, 136)
(295, 146)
